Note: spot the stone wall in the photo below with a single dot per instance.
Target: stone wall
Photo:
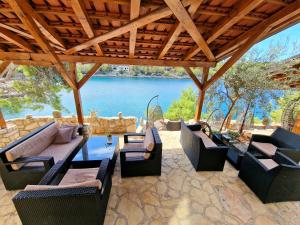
(97, 125)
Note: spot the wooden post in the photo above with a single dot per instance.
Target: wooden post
(296, 128)
(2, 121)
(76, 93)
(201, 96)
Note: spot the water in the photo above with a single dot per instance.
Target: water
(110, 95)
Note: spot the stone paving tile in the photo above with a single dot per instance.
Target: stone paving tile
(181, 196)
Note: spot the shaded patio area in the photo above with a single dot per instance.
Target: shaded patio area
(180, 196)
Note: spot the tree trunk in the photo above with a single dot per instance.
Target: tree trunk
(228, 113)
(244, 119)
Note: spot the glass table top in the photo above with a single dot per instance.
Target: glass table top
(97, 148)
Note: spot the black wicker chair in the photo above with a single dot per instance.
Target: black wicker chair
(67, 206)
(278, 183)
(286, 142)
(202, 158)
(18, 179)
(141, 166)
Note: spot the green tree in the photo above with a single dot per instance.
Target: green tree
(184, 107)
(32, 87)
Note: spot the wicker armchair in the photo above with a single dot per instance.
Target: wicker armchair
(65, 206)
(272, 180)
(204, 154)
(280, 140)
(138, 165)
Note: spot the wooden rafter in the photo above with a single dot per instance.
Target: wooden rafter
(91, 72)
(194, 78)
(242, 8)
(42, 25)
(23, 11)
(134, 13)
(15, 39)
(80, 11)
(142, 21)
(15, 56)
(4, 67)
(16, 30)
(284, 14)
(176, 30)
(187, 22)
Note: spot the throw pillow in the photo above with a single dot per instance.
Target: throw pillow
(75, 127)
(64, 135)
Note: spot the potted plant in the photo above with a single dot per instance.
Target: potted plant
(109, 138)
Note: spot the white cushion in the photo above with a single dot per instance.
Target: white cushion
(267, 148)
(148, 142)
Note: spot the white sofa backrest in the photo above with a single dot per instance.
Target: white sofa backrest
(32, 146)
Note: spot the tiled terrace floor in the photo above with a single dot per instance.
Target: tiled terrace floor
(181, 196)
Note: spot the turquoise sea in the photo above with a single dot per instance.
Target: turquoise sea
(110, 95)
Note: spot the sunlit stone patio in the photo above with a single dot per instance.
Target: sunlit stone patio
(180, 196)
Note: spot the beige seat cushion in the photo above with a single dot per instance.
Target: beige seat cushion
(269, 163)
(92, 183)
(133, 145)
(148, 142)
(267, 148)
(58, 151)
(32, 146)
(206, 140)
(79, 175)
(134, 156)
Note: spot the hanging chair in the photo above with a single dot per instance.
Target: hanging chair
(155, 115)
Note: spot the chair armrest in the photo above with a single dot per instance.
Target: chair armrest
(251, 159)
(281, 158)
(293, 154)
(48, 161)
(127, 150)
(126, 135)
(194, 127)
(80, 130)
(59, 167)
(261, 138)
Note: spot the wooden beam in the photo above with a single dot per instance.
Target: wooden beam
(76, 93)
(80, 11)
(3, 124)
(15, 39)
(240, 10)
(92, 71)
(284, 14)
(23, 10)
(40, 22)
(16, 56)
(176, 30)
(142, 21)
(4, 67)
(187, 22)
(201, 96)
(16, 30)
(194, 78)
(134, 13)
(236, 56)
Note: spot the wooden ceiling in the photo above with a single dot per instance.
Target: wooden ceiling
(149, 30)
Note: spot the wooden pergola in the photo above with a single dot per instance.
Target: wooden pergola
(187, 33)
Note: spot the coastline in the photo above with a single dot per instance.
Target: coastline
(140, 76)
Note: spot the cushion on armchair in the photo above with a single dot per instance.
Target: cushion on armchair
(148, 142)
(79, 175)
(267, 148)
(64, 135)
(269, 163)
(206, 140)
(92, 183)
(32, 146)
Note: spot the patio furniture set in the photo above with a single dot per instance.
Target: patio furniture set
(69, 182)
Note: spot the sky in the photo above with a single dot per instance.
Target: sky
(290, 35)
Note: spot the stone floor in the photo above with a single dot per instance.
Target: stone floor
(181, 196)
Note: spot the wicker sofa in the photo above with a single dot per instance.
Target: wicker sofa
(136, 160)
(280, 140)
(67, 196)
(203, 153)
(272, 180)
(28, 159)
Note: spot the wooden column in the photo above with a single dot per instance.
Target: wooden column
(76, 93)
(2, 121)
(201, 96)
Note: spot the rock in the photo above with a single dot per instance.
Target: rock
(213, 213)
(130, 211)
(56, 114)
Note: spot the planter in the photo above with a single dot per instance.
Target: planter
(173, 125)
